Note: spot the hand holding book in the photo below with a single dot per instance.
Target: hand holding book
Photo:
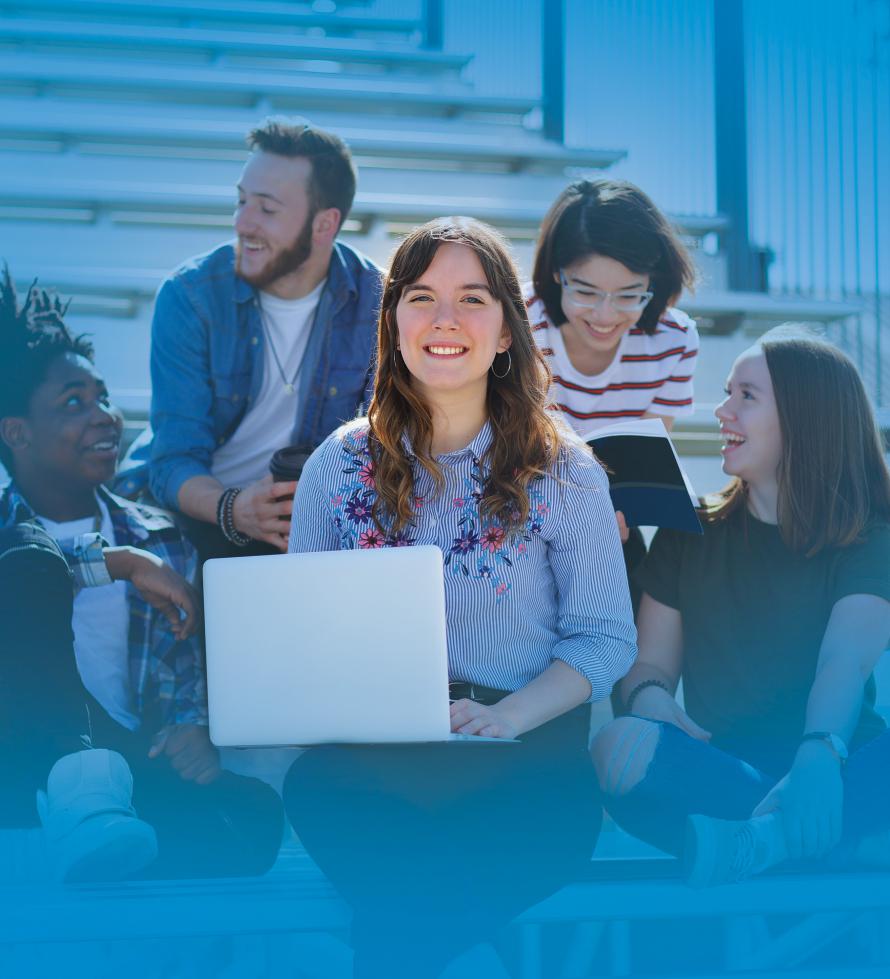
(646, 481)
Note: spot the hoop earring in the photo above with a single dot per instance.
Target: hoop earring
(500, 377)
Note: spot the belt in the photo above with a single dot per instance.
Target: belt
(461, 689)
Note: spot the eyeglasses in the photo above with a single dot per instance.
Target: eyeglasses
(587, 298)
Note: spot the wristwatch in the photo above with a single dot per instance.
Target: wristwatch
(834, 741)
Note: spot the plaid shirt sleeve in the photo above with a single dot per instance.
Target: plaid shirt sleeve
(86, 559)
(172, 671)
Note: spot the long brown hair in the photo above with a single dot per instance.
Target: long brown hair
(526, 441)
(833, 479)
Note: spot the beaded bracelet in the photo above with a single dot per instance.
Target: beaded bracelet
(225, 517)
(638, 689)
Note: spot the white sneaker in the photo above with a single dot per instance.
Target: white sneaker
(720, 851)
(92, 832)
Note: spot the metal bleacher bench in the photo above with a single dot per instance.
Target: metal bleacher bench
(227, 42)
(247, 13)
(596, 916)
(75, 122)
(281, 88)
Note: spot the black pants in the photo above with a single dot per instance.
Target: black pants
(437, 846)
(230, 827)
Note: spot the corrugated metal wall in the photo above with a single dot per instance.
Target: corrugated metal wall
(639, 77)
(819, 157)
(505, 38)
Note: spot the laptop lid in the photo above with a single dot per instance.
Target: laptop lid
(339, 646)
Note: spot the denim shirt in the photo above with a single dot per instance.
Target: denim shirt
(207, 361)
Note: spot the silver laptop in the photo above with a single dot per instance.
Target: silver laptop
(334, 647)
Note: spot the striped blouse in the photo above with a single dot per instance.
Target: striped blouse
(650, 373)
(556, 589)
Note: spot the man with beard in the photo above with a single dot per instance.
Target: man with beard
(261, 344)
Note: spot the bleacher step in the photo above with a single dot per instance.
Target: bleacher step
(120, 80)
(123, 39)
(64, 124)
(249, 13)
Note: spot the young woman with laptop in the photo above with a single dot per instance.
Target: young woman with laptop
(437, 845)
(774, 619)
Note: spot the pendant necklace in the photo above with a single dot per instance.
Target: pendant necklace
(289, 386)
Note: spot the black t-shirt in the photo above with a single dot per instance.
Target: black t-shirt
(754, 615)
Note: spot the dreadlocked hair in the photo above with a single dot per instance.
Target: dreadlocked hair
(32, 335)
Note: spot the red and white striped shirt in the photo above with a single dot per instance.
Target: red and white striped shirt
(648, 374)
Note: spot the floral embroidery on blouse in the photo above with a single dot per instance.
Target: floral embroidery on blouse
(482, 549)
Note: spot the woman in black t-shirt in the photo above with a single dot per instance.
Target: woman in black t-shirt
(774, 619)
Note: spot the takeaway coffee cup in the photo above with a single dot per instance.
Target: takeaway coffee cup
(287, 464)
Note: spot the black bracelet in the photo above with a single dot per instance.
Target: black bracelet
(225, 518)
(638, 689)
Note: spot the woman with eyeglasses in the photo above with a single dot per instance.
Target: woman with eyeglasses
(607, 267)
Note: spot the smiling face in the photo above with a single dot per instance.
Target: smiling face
(72, 432)
(749, 422)
(273, 219)
(450, 326)
(592, 335)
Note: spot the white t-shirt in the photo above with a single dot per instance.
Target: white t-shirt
(269, 421)
(101, 624)
(650, 373)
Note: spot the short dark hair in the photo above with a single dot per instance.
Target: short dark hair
(32, 336)
(332, 183)
(616, 219)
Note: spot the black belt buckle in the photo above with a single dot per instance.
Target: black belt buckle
(463, 689)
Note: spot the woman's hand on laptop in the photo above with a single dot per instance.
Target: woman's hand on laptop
(159, 585)
(468, 717)
(190, 751)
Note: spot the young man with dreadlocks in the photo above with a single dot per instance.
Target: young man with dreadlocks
(101, 671)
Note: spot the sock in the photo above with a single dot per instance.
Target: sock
(770, 837)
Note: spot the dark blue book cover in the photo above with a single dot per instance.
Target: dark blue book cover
(645, 479)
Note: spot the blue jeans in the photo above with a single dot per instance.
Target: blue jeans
(687, 777)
